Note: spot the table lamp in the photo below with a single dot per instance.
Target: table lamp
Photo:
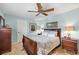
(69, 30)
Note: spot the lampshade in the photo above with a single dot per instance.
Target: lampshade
(69, 28)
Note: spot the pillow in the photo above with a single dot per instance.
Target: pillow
(32, 33)
(44, 33)
(52, 34)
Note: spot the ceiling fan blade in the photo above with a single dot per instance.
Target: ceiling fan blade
(48, 10)
(39, 6)
(37, 14)
(45, 14)
(32, 11)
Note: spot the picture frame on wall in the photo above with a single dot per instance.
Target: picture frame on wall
(32, 26)
(52, 25)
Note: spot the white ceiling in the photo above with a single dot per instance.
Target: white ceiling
(20, 9)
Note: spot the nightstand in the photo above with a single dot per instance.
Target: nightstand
(69, 44)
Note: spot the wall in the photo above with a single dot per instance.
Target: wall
(1, 14)
(12, 22)
(70, 17)
(41, 21)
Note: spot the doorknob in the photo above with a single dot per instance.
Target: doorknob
(18, 32)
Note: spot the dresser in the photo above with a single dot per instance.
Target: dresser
(69, 44)
(5, 40)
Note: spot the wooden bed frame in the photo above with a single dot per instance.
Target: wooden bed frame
(30, 46)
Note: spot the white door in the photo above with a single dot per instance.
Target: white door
(21, 29)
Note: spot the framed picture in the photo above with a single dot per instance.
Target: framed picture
(52, 25)
(32, 26)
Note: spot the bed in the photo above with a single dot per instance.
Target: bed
(42, 43)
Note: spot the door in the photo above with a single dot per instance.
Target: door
(21, 29)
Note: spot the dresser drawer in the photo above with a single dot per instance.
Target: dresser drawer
(69, 43)
(66, 45)
(70, 48)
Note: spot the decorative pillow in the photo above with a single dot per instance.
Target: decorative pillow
(32, 33)
(44, 33)
(52, 34)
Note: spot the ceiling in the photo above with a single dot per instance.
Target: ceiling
(20, 9)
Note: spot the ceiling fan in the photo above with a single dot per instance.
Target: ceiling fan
(41, 10)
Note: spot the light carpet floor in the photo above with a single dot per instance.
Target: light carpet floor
(17, 49)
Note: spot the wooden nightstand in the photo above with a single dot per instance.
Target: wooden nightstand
(69, 44)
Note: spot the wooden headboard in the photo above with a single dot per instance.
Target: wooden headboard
(58, 32)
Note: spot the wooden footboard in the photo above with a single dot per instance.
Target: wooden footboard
(30, 46)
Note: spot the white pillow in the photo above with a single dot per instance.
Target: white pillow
(32, 33)
(52, 34)
(44, 33)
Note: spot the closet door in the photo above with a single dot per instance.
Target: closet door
(21, 29)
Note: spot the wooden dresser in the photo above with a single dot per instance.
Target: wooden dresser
(5, 40)
(69, 44)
